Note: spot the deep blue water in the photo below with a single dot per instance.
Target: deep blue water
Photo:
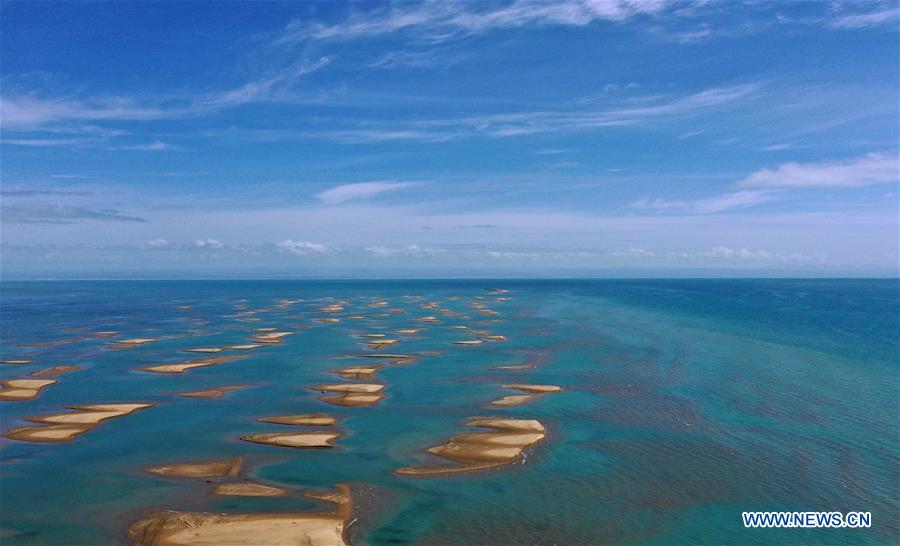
(685, 402)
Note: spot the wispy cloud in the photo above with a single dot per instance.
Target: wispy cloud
(430, 58)
(884, 14)
(442, 21)
(29, 111)
(873, 168)
(33, 193)
(155, 146)
(269, 88)
(708, 205)
(580, 117)
(57, 214)
(46, 142)
(361, 191)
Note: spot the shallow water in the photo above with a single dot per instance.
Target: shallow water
(685, 403)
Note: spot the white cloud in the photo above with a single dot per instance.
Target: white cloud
(874, 168)
(157, 243)
(635, 252)
(709, 205)
(354, 192)
(410, 250)
(511, 255)
(301, 248)
(209, 243)
(727, 254)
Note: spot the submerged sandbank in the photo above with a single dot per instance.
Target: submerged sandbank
(56, 370)
(214, 392)
(200, 469)
(248, 489)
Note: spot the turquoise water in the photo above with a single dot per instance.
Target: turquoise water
(685, 403)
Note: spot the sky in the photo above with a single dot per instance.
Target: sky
(331, 139)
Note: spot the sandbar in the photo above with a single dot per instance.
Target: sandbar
(367, 388)
(483, 450)
(318, 439)
(248, 489)
(23, 389)
(380, 342)
(534, 391)
(272, 337)
(46, 433)
(136, 341)
(358, 372)
(200, 469)
(353, 400)
(184, 366)
(214, 392)
(56, 370)
(197, 528)
(63, 427)
(385, 355)
(302, 419)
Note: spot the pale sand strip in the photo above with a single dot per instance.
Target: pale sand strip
(358, 372)
(184, 366)
(302, 419)
(318, 439)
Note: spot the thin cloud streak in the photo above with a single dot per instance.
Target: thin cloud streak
(360, 191)
(709, 205)
(58, 214)
(871, 169)
(435, 22)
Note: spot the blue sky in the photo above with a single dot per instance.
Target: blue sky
(353, 139)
